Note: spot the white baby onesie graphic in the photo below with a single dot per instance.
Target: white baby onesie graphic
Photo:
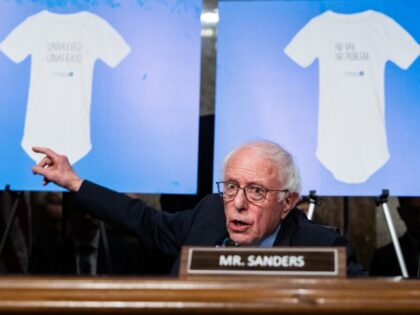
(64, 48)
(352, 50)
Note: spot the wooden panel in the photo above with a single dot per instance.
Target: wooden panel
(37, 295)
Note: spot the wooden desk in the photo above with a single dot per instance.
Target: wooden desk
(42, 295)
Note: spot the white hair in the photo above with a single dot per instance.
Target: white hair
(287, 169)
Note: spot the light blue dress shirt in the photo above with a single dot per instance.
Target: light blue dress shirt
(269, 240)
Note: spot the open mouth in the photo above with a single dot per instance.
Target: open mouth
(238, 226)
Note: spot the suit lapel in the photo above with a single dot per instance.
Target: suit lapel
(286, 230)
(209, 235)
(210, 226)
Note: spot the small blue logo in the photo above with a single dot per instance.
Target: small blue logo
(360, 73)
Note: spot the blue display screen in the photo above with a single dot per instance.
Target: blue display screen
(114, 85)
(335, 82)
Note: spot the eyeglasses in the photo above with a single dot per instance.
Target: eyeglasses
(253, 193)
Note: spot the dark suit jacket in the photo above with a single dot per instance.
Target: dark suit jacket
(205, 225)
(385, 261)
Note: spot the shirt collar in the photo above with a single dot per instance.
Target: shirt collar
(269, 240)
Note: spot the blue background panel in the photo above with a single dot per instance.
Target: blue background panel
(144, 112)
(262, 93)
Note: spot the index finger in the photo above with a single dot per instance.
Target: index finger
(48, 152)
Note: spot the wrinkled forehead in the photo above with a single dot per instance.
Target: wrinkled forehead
(247, 163)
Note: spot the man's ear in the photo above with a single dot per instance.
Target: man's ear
(289, 203)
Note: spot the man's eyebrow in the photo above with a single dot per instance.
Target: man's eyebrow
(253, 183)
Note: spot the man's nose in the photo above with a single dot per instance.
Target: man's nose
(240, 201)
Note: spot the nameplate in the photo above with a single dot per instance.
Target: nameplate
(279, 261)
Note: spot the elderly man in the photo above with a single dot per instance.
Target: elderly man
(259, 191)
